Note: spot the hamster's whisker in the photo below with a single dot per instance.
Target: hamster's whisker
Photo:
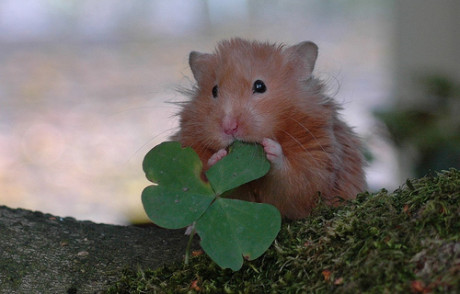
(149, 141)
(180, 104)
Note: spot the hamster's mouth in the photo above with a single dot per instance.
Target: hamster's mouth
(228, 141)
(228, 147)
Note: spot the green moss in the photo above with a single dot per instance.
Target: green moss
(405, 241)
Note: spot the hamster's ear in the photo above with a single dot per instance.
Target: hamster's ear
(199, 63)
(304, 54)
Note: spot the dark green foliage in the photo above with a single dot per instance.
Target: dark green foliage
(430, 127)
(401, 242)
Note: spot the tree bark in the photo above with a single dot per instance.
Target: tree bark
(42, 253)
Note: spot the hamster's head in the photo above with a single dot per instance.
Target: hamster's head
(245, 90)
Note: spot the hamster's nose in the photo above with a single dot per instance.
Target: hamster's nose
(230, 126)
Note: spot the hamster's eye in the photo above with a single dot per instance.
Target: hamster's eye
(259, 87)
(215, 91)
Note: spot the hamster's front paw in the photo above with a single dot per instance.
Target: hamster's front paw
(274, 151)
(216, 157)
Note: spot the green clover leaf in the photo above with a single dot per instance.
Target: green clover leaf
(229, 229)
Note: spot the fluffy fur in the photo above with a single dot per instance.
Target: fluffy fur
(313, 151)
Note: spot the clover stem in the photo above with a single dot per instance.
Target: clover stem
(189, 244)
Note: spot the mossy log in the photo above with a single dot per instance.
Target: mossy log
(407, 241)
(400, 242)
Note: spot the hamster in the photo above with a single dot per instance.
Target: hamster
(266, 93)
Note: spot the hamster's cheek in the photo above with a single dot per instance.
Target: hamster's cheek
(260, 128)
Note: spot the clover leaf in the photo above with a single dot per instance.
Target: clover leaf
(230, 229)
(244, 163)
(179, 196)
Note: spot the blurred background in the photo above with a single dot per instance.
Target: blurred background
(85, 86)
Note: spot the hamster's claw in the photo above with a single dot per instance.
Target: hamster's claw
(274, 151)
(216, 157)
